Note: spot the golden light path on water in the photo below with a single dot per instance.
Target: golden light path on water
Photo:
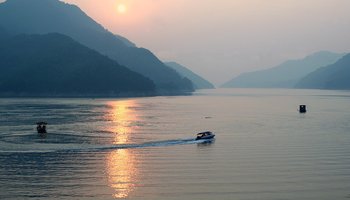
(121, 170)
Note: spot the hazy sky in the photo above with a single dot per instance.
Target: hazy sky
(219, 39)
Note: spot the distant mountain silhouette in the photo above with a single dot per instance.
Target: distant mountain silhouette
(48, 16)
(56, 65)
(198, 81)
(335, 76)
(285, 75)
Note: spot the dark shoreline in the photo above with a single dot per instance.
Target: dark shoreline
(123, 95)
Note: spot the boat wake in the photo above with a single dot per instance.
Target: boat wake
(73, 143)
(161, 143)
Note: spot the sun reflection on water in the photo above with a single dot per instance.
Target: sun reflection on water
(121, 168)
(122, 118)
(122, 173)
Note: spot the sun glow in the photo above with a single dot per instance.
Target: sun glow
(121, 8)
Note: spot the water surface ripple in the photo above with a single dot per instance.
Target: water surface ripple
(144, 148)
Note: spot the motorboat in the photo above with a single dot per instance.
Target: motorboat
(205, 135)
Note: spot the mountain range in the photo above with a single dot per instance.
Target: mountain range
(51, 48)
(198, 81)
(53, 16)
(285, 75)
(56, 65)
(334, 76)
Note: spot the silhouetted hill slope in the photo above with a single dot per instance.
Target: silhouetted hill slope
(198, 81)
(3, 34)
(285, 75)
(125, 41)
(47, 16)
(56, 65)
(335, 76)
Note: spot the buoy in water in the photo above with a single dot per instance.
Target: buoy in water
(302, 109)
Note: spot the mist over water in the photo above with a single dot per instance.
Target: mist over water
(144, 148)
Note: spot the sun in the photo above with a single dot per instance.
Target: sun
(121, 8)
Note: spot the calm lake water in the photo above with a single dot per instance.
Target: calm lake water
(143, 148)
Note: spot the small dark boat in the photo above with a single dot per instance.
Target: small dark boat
(41, 127)
(205, 135)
